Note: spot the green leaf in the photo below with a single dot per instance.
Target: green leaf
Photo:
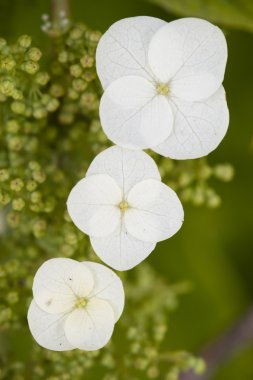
(237, 14)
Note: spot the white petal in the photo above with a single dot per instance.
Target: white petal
(194, 87)
(122, 50)
(47, 329)
(186, 48)
(90, 328)
(127, 167)
(92, 205)
(58, 282)
(108, 287)
(155, 211)
(121, 250)
(135, 120)
(198, 129)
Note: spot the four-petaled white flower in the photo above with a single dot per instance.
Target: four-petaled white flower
(75, 305)
(124, 207)
(162, 85)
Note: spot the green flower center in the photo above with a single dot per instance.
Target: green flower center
(123, 206)
(80, 302)
(162, 89)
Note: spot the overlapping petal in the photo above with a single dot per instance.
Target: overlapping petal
(122, 50)
(58, 282)
(48, 329)
(155, 212)
(192, 53)
(127, 167)
(107, 287)
(199, 127)
(90, 328)
(121, 250)
(133, 115)
(92, 205)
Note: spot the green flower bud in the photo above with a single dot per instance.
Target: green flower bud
(186, 194)
(4, 198)
(88, 99)
(8, 63)
(15, 143)
(13, 219)
(40, 113)
(213, 199)
(17, 184)
(39, 228)
(94, 36)
(79, 84)
(67, 250)
(39, 176)
(72, 94)
(225, 172)
(18, 107)
(89, 75)
(34, 165)
(87, 61)
(52, 105)
(153, 372)
(31, 185)
(18, 204)
(36, 197)
(49, 205)
(76, 70)
(198, 196)
(63, 57)
(34, 54)
(17, 94)
(42, 78)
(24, 41)
(4, 175)
(57, 90)
(200, 366)
(30, 67)
(7, 87)
(76, 33)
(173, 374)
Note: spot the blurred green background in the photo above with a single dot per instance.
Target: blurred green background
(214, 249)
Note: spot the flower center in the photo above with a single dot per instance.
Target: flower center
(80, 302)
(123, 206)
(162, 89)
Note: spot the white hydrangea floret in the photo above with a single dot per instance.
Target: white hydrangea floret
(124, 207)
(75, 305)
(163, 85)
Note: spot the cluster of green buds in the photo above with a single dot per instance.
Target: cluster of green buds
(191, 179)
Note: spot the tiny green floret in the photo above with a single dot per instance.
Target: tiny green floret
(123, 206)
(162, 89)
(81, 302)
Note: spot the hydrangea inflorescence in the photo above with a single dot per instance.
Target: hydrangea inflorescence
(50, 131)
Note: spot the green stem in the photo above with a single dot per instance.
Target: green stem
(59, 8)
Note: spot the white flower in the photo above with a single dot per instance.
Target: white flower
(162, 85)
(124, 207)
(75, 305)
